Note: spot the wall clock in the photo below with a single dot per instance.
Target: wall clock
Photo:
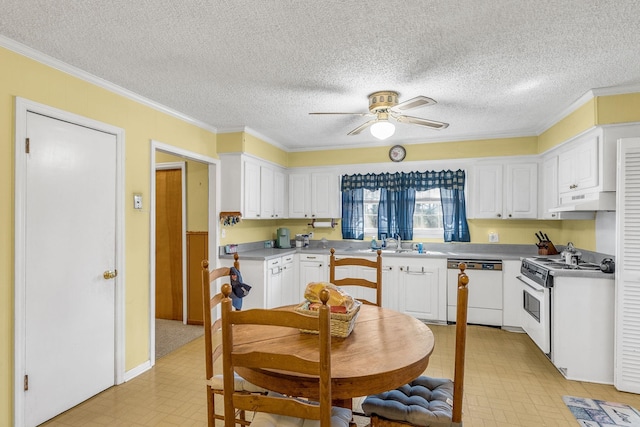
(397, 153)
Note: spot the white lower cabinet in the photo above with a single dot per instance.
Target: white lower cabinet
(253, 274)
(281, 288)
(291, 290)
(274, 282)
(312, 268)
(582, 333)
(512, 295)
(421, 288)
(390, 285)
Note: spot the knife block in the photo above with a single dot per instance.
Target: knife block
(547, 248)
(551, 250)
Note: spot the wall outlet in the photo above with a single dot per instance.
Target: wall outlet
(493, 237)
(310, 235)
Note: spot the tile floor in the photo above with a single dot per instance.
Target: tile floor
(508, 382)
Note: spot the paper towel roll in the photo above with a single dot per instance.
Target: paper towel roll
(322, 224)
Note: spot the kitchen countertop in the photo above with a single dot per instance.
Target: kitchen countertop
(592, 274)
(436, 250)
(472, 251)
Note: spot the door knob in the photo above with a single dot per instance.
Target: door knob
(110, 274)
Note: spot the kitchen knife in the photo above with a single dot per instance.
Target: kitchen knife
(539, 238)
(542, 234)
(546, 238)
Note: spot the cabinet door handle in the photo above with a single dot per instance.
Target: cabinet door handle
(499, 215)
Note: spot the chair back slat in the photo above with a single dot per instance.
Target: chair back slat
(358, 281)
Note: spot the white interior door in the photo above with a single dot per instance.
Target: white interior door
(627, 341)
(70, 243)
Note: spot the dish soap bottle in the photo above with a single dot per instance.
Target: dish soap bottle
(374, 244)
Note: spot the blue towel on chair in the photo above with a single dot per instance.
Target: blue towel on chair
(238, 288)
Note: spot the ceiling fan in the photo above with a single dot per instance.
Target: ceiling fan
(384, 105)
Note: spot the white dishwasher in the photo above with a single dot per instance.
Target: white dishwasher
(485, 291)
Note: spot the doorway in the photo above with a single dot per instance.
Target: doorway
(211, 203)
(69, 260)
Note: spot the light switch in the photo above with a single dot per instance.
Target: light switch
(137, 201)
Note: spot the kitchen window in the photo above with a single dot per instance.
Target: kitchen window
(427, 217)
(433, 200)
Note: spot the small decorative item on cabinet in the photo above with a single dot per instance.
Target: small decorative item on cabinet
(230, 218)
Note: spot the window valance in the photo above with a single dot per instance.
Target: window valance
(419, 181)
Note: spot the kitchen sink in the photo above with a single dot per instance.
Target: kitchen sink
(394, 251)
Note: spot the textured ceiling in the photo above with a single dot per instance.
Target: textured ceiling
(496, 68)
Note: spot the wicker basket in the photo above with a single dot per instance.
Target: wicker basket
(341, 323)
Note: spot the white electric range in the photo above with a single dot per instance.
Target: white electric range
(568, 311)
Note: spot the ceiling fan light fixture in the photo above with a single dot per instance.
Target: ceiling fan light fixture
(382, 129)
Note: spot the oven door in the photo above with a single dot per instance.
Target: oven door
(536, 315)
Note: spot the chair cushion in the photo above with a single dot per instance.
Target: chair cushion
(340, 417)
(239, 384)
(424, 401)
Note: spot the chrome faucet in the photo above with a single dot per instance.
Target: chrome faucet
(398, 240)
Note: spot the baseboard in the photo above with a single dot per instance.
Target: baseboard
(140, 369)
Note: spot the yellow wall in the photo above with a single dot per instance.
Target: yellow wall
(23, 77)
(576, 122)
(618, 108)
(428, 151)
(242, 142)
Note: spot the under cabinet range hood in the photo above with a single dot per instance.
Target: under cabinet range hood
(600, 201)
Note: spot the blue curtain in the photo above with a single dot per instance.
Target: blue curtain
(397, 202)
(353, 214)
(395, 213)
(454, 216)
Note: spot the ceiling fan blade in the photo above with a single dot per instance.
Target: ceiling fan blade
(422, 122)
(416, 102)
(353, 114)
(362, 127)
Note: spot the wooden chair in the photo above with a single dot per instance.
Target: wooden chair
(435, 402)
(213, 344)
(353, 281)
(275, 409)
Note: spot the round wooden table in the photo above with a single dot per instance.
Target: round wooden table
(385, 350)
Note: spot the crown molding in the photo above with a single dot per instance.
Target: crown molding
(586, 97)
(49, 61)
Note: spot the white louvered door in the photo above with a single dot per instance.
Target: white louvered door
(627, 347)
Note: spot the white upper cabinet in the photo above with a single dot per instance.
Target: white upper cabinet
(521, 191)
(324, 195)
(279, 194)
(299, 195)
(253, 187)
(549, 188)
(486, 191)
(578, 166)
(500, 190)
(314, 195)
